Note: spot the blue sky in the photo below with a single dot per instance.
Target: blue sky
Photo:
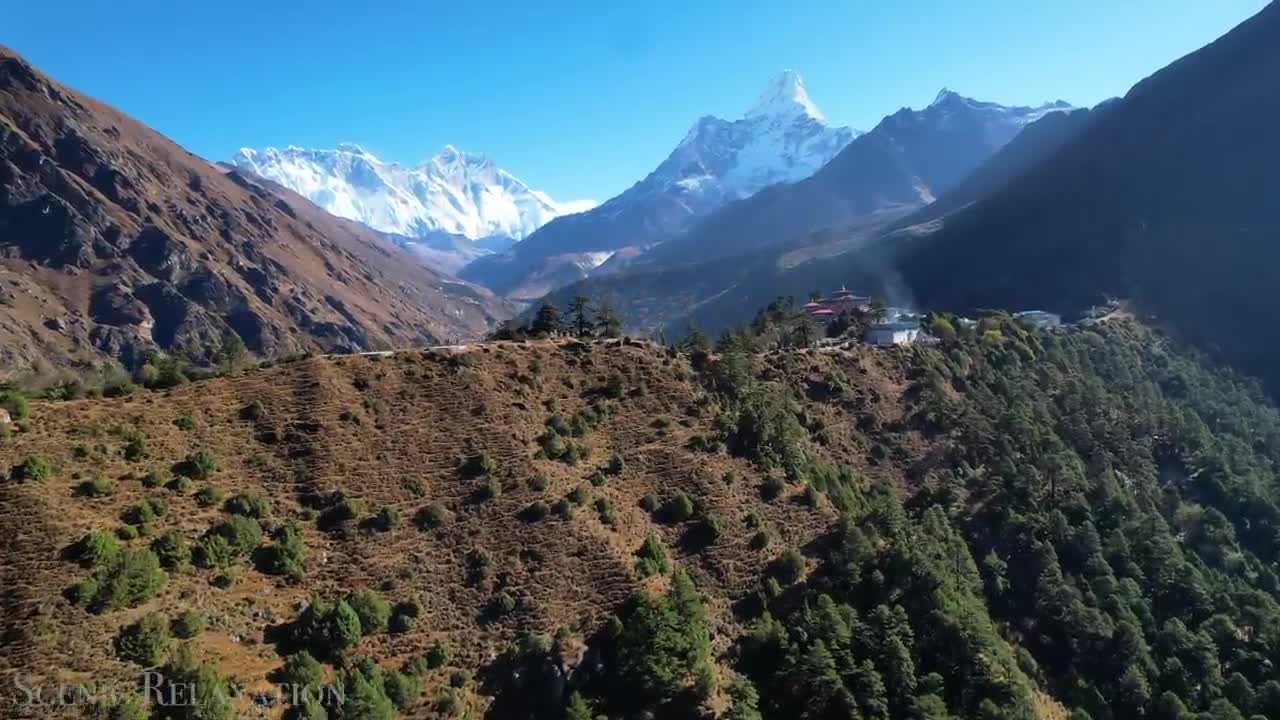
(580, 99)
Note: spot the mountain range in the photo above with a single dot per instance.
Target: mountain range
(906, 163)
(454, 202)
(1168, 199)
(783, 137)
(115, 242)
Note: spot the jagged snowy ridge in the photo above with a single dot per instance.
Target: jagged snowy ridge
(454, 193)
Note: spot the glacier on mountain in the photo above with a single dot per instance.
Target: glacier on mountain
(784, 137)
(453, 193)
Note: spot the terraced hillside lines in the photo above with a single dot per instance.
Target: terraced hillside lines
(423, 475)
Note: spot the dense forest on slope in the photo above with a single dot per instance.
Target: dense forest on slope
(1011, 524)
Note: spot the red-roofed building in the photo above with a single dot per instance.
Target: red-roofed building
(839, 301)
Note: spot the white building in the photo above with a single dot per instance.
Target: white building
(1040, 318)
(888, 334)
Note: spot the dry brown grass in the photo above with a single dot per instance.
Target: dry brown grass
(408, 419)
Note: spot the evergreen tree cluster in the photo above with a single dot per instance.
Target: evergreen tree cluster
(585, 318)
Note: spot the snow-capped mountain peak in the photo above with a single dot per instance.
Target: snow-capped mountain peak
(453, 192)
(943, 96)
(784, 137)
(786, 96)
(1021, 116)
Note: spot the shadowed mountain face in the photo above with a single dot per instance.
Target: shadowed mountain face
(782, 138)
(685, 281)
(1169, 198)
(114, 242)
(910, 158)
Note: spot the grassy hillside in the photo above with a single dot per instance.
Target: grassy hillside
(568, 529)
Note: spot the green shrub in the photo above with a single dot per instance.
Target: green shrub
(213, 552)
(209, 694)
(226, 579)
(760, 540)
(127, 532)
(616, 464)
(598, 479)
(200, 465)
(345, 626)
(208, 496)
(181, 484)
(478, 465)
(431, 517)
(128, 708)
(404, 617)
(579, 495)
(253, 411)
(172, 550)
(346, 510)
(557, 423)
(118, 386)
(537, 511)
(373, 611)
(242, 534)
(287, 555)
(492, 489)
(253, 506)
(650, 503)
(16, 403)
(771, 488)
(652, 557)
(553, 446)
(98, 487)
(678, 509)
(35, 469)
(135, 449)
(82, 593)
(812, 497)
(301, 670)
(608, 515)
(144, 513)
(538, 483)
(438, 654)
(386, 519)
(145, 642)
(790, 567)
(185, 423)
(504, 603)
(563, 508)
(96, 549)
(153, 479)
(188, 624)
(403, 690)
(133, 578)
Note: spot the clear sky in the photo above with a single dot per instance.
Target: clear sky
(580, 99)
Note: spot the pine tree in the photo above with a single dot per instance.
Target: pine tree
(579, 309)
(746, 701)
(547, 321)
(608, 321)
(578, 708)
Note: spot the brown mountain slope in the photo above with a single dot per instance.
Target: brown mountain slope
(115, 241)
(388, 431)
